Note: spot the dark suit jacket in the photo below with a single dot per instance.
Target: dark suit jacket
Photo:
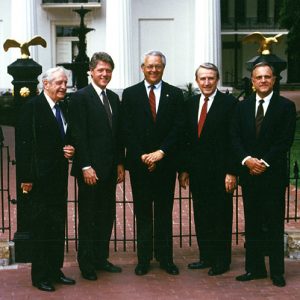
(39, 146)
(96, 143)
(141, 134)
(275, 139)
(212, 151)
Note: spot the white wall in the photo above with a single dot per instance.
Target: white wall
(5, 28)
(167, 26)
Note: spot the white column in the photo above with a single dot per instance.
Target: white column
(118, 41)
(23, 25)
(207, 32)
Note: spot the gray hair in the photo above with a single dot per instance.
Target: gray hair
(101, 56)
(154, 53)
(263, 64)
(48, 75)
(209, 66)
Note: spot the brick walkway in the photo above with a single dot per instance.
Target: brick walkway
(15, 280)
(190, 284)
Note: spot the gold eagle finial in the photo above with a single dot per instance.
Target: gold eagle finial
(265, 42)
(36, 40)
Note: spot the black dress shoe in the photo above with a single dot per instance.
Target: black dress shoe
(278, 280)
(89, 275)
(170, 268)
(109, 267)
(250, 276)
(213, 271)
(44, 285)
(141, 269)
(64, 280)
(199, 265)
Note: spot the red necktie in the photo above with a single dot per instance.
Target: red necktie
(202, 116)
(152, 102)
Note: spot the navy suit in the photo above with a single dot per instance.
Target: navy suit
(97, 145)
(143, 135)
(264, 195)
(207, 160)
(41, 161)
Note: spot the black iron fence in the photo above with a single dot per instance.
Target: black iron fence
(124, 232)
(5, 199)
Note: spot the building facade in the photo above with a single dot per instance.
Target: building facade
(187, 31)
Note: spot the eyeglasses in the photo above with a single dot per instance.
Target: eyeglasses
(156, 67)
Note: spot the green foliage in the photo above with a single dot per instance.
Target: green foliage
(290, 19)
(189, 91)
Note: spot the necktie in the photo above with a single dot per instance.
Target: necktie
(202, 116)
(259, 116)
(107, 107)
(152, 102)
(59, 120)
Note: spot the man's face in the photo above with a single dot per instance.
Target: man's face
(153, 69)
(263, 80)
(207, 81)
(57, 87)
(101, 74)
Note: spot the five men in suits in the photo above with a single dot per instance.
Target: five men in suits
(208, 166)
(262, 134)
(152, 120)
(98, 165)
(43, 151)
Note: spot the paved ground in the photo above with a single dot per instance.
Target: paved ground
(15, 284)
(15, 281)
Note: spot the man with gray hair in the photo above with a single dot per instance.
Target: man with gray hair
(207, 165)
(152, 115)
(43, 149)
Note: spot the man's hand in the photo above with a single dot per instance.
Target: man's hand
(184, 179)
(90, 176)
(230, 183)
(151, 167)
(121, 173)
(255, 166)
(26, 187)
(152, 157)
(68, 151)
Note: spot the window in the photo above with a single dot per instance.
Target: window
(262, 11)
(224, 11)
(240, 11)
(277, 7)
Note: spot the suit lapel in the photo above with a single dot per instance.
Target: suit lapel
(195, 101)
(97, 103)
(249, 116)
(47, 113)
(144, 99)
(268, 115)
(163, 101)
(114, 109)
(213, 112)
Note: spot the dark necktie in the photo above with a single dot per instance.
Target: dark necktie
(107, 107)
(202, 116)
(152, 102)
(59, 120)
(259, 116)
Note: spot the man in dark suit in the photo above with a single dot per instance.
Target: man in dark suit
(208, 166)
(152, 120)
(43, 153)
(262, 134)
(98, 165)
